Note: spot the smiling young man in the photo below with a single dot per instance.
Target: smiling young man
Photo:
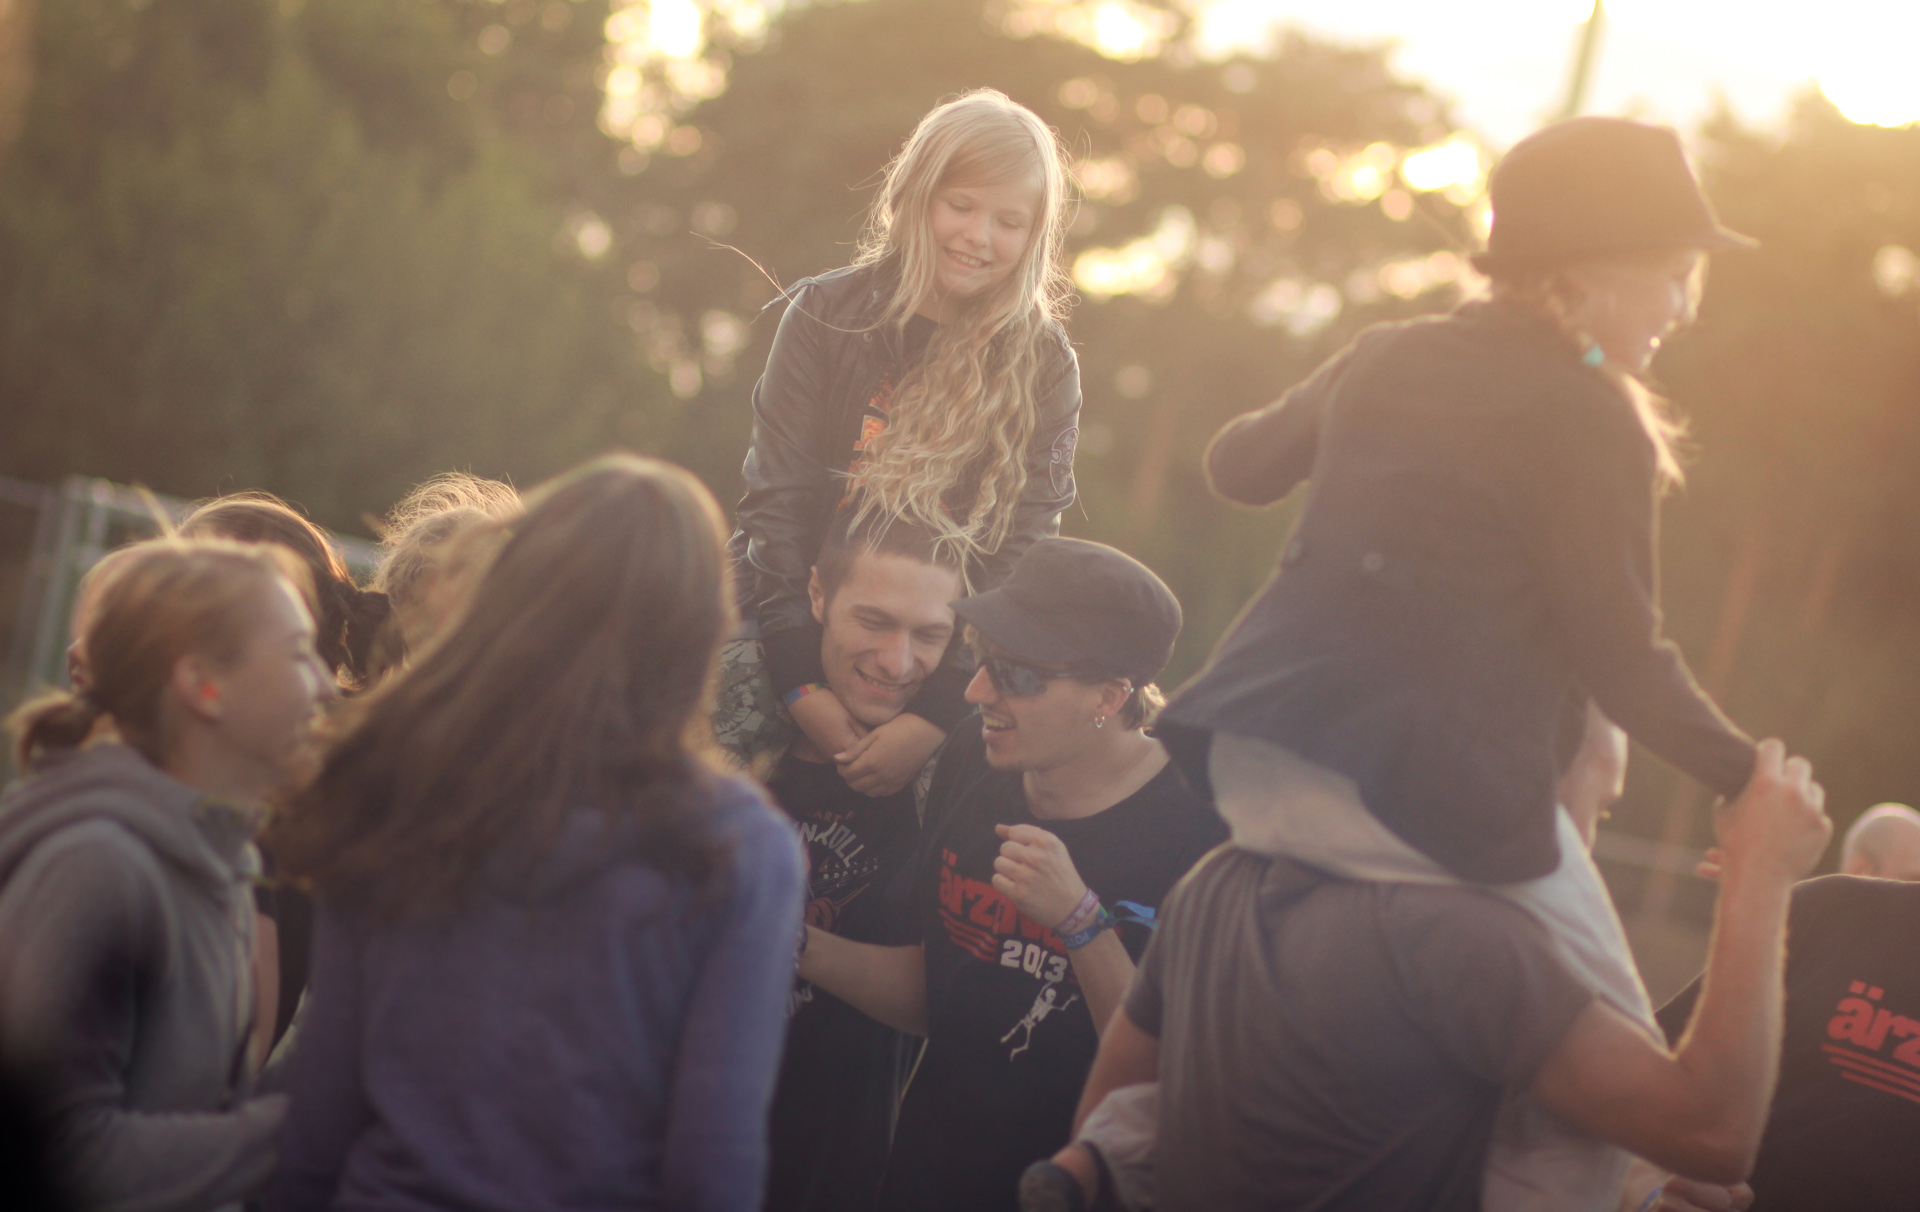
(882, 599)
(1055, 826)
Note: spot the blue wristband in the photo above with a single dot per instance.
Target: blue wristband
(1653, 1197)
(1101, 923)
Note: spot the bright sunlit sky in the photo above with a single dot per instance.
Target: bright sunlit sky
(1506, 62)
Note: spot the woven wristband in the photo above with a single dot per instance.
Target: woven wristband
(1081, 915)
(1101, 923)
(800, 692)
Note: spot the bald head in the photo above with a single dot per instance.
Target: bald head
(1884, 842)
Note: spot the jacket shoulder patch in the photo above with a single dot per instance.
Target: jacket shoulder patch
(1060, 460)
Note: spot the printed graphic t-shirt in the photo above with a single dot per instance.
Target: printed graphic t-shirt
(833, 1106)
(1010, 1038)
(1844, 1129)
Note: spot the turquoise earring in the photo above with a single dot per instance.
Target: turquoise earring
(1595, 356)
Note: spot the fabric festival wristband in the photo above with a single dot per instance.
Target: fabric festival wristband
(1101, 923)
(800, 692)
(1082, 913)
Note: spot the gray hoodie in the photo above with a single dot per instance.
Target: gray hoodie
(126, 922)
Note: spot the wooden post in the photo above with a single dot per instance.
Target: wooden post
(1584, 54)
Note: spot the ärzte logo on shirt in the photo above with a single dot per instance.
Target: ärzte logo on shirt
(986, 925)
(1865, 1028)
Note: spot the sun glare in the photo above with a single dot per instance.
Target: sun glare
(1874, 98)
(674, 27)
(1453, 165)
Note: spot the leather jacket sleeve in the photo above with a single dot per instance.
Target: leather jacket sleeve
(1593, 510)
(792, 479)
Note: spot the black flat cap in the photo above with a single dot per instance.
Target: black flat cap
(1593, 187)
(1073, 602)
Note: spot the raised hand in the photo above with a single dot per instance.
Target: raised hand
(1036, 874)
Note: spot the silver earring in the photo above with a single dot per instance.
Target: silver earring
(1099, 721)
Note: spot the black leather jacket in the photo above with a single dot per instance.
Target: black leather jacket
(1476, 556)
(827, 360)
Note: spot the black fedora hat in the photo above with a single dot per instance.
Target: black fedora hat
(1596, 186)
(1083, 604)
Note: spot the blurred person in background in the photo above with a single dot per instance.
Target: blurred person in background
(554, 945)
(126, 866)
(881, 594)
(1884, 842)
(1054, 829)
(349, 620)
(1845, 1118)
(1596, 778)
(931, 381)
(347, 616)
(431, 556)
(1475, 560)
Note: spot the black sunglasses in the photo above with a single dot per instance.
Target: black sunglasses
(1017, 679)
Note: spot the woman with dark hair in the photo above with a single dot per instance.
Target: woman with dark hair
(348, 620)
(554, 944)
(126, 866)
(348, 617)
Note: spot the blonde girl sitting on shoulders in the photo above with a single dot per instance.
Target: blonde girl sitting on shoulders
(930, 381)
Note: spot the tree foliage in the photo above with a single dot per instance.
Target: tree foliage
(329, 248)
(246, 243)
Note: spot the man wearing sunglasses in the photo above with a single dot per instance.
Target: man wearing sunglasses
(1054, 829)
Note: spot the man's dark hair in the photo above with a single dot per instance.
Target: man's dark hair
(846, 542)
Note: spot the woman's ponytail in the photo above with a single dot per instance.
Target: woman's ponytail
(53, 723)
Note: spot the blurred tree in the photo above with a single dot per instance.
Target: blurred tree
(328, 248)
(325, 249)
(16, 66)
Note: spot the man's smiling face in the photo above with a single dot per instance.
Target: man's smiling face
(886, 628)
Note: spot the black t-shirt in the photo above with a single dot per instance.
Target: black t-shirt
(833, 1106)
(1009, 1037)
(1844, 1130)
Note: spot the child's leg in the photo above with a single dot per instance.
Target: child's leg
(1536, 1160)
(1109, 1168)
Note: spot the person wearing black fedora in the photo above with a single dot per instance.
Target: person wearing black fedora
(1055, 827)
(1475, 561)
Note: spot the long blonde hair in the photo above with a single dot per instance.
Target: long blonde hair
(1552, 293)
(961, 420)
